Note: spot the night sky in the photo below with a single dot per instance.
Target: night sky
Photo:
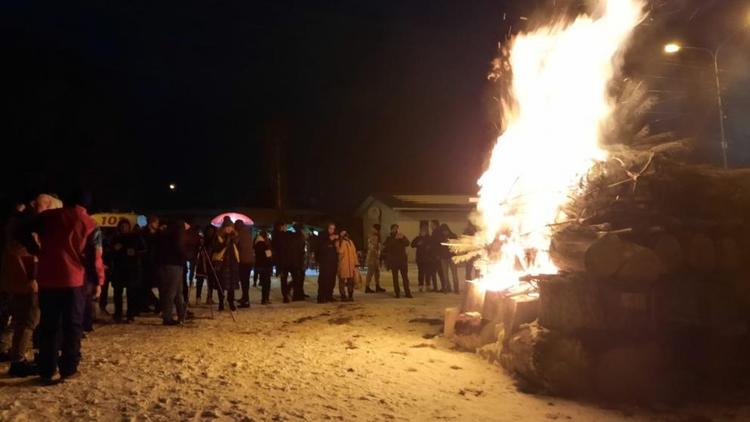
(353, 96)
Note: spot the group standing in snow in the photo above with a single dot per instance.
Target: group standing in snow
(56, 265)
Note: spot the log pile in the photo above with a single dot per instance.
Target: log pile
(654, 259)
(642, 214)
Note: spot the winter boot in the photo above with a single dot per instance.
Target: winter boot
(22, 369)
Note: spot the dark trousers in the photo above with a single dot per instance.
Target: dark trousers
(131, 293)
(435, 272)
(60, 329)
(149, 299)
(404, 270)
(264, 274)
(256, 274)
(245, 270)
(346, 288)
(326, 282)
(298, 284)
(199, 281)
(423, 274)
(230, 298)
(88, 306)
(283, 273)
(103, 298)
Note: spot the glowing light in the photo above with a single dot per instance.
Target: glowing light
(672, 48)
(559, 102)
(172, 186)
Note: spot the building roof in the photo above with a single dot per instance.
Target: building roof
(415, 202)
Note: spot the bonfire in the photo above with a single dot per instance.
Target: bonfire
(594, 252)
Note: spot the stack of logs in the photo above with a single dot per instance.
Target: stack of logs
(652, 296)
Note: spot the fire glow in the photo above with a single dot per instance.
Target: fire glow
(558, 104)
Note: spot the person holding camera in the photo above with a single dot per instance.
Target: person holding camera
(395, 249)
(226, 259)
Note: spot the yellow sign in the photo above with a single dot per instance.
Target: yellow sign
(111, 219)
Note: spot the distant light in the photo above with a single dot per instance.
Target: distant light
(672, 48)
(172, 186)
(315, 232)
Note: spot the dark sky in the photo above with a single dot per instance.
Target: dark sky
(353, 96)
(361, 96)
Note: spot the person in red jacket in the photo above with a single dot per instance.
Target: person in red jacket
(68, 245)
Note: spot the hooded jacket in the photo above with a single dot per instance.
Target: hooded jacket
(65, 234)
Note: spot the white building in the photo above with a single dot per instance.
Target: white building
(408, 211)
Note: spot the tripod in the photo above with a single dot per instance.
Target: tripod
(203, 254)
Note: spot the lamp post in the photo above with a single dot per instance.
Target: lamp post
(673, 48)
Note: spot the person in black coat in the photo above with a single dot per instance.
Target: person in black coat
(171, 254)
(226, 261)
(126, 272)
(434, 257)
(264, 265)
(150, 235)
(328, 260)
(281, 258)
(295, 255)
(422, 244)
(395, 249)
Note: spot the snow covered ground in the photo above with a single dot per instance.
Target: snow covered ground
(368, 361)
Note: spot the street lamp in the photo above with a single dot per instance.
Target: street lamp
(172, 186)
(673, 48)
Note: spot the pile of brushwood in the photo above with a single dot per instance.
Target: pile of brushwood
(643, 213)
(653, 295)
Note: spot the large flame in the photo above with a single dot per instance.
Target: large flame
(559, 91)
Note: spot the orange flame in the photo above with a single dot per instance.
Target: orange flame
(561, 75)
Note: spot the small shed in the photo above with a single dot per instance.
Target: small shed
(409, 211)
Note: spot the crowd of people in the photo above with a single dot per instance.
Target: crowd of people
(57, 264)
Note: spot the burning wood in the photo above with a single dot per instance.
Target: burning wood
(557, 103)
(582, 248)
